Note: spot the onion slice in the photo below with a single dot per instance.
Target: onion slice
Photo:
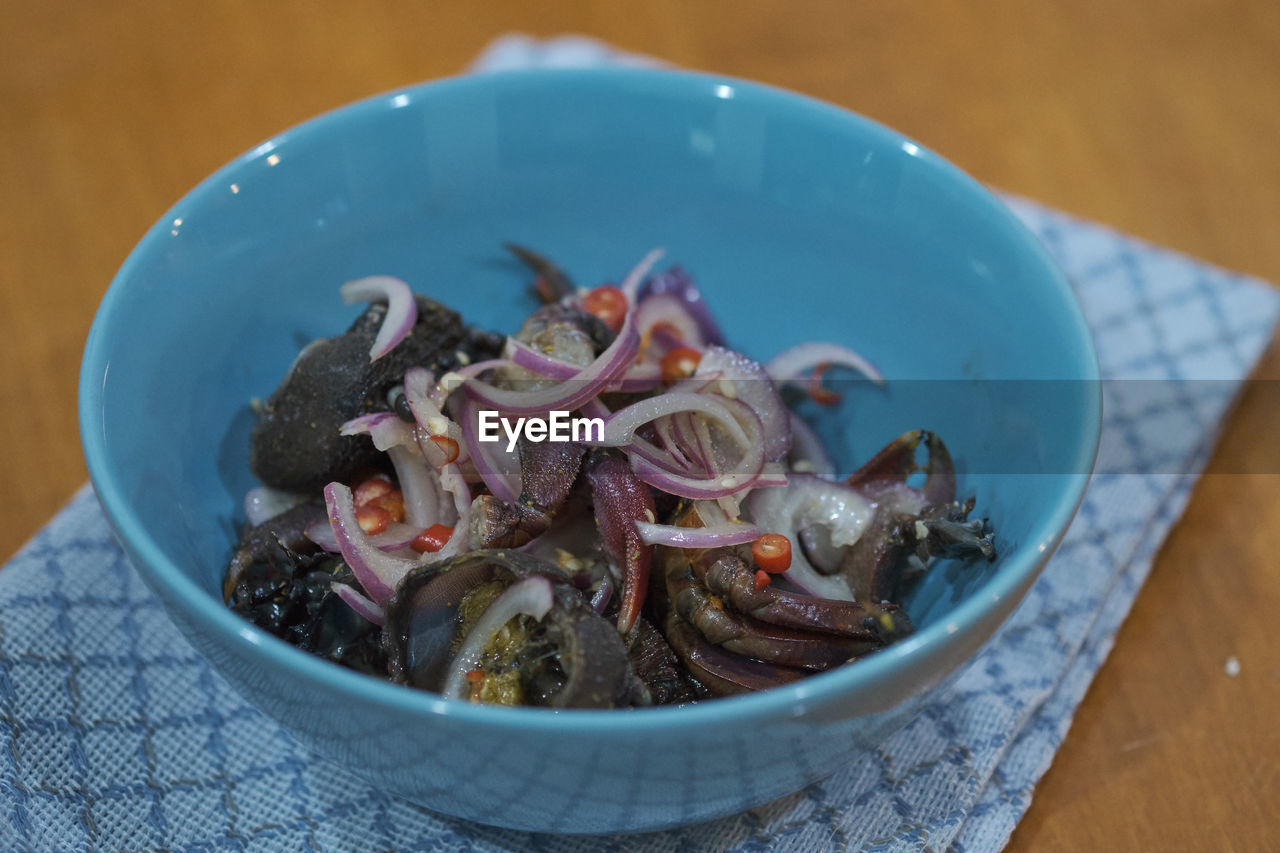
(570, 393)
(621, 426)
(531, 596)
(791, 364)
(395, 537)
(498, 469)
(264, 503)
(359, 603)
(402, 309)
(452, 481)
(377, 572)
(718, 536)
(631, 284)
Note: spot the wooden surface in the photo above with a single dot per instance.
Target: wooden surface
(1160, 117)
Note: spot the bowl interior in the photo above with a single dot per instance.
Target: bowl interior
(799, 222)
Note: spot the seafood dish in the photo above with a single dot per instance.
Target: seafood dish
(609, 508)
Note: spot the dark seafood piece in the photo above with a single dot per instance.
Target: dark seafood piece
(896, 461)
(257, 543)
(568, 333)
(620, 500)
(722, 672)
(656, 666)
(548, 470)
(873, 565)
(910, 525)
(597, 670)
(569, 658)
(676, 282)
(727, 575)
(553, 283)
(290, 595)
(759, 640)
(296, 445)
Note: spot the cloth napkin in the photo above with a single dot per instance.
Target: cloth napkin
(116, 735)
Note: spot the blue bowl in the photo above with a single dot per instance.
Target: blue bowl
(799, 220)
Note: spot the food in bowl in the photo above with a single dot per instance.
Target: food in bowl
(609, 508)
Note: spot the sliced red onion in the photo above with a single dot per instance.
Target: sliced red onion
(707, 452)
(384, 428)
(677, 282)
(531, 596)
(499, 469)
(570, 393)
(668, 308)
(793, 363)
(697, 383)
(620, 427)
(730, 533)
(745, 380)
(669, 437)
(264, 502)
(660, 457)
(772, 474)
(359, 603)
(452, 481)
(395, 537)
(419, 385)
(402, 309)
(631, 284)
(808, 449)
(540, 363)
(377, 572)
(456, 378)
(690, 487)
(419, 485)
(638, 378)
(600, 600)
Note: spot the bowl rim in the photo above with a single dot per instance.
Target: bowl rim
(1016, 570)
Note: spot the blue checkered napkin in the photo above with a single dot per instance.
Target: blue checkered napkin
(115, 735)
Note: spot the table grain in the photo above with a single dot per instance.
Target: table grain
(1158, 117)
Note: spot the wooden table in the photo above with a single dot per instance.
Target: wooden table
(1160, 118)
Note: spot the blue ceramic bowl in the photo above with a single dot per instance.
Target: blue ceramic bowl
(799, 220)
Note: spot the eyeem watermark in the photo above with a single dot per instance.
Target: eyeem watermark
(557, 426)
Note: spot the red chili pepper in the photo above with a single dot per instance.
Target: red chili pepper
(609, 304)
(372, 519)
(432, 539)
(772, 553)
(448, 446)
(763, 579)
(662, 329)
(820, 395)
(679, 363)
